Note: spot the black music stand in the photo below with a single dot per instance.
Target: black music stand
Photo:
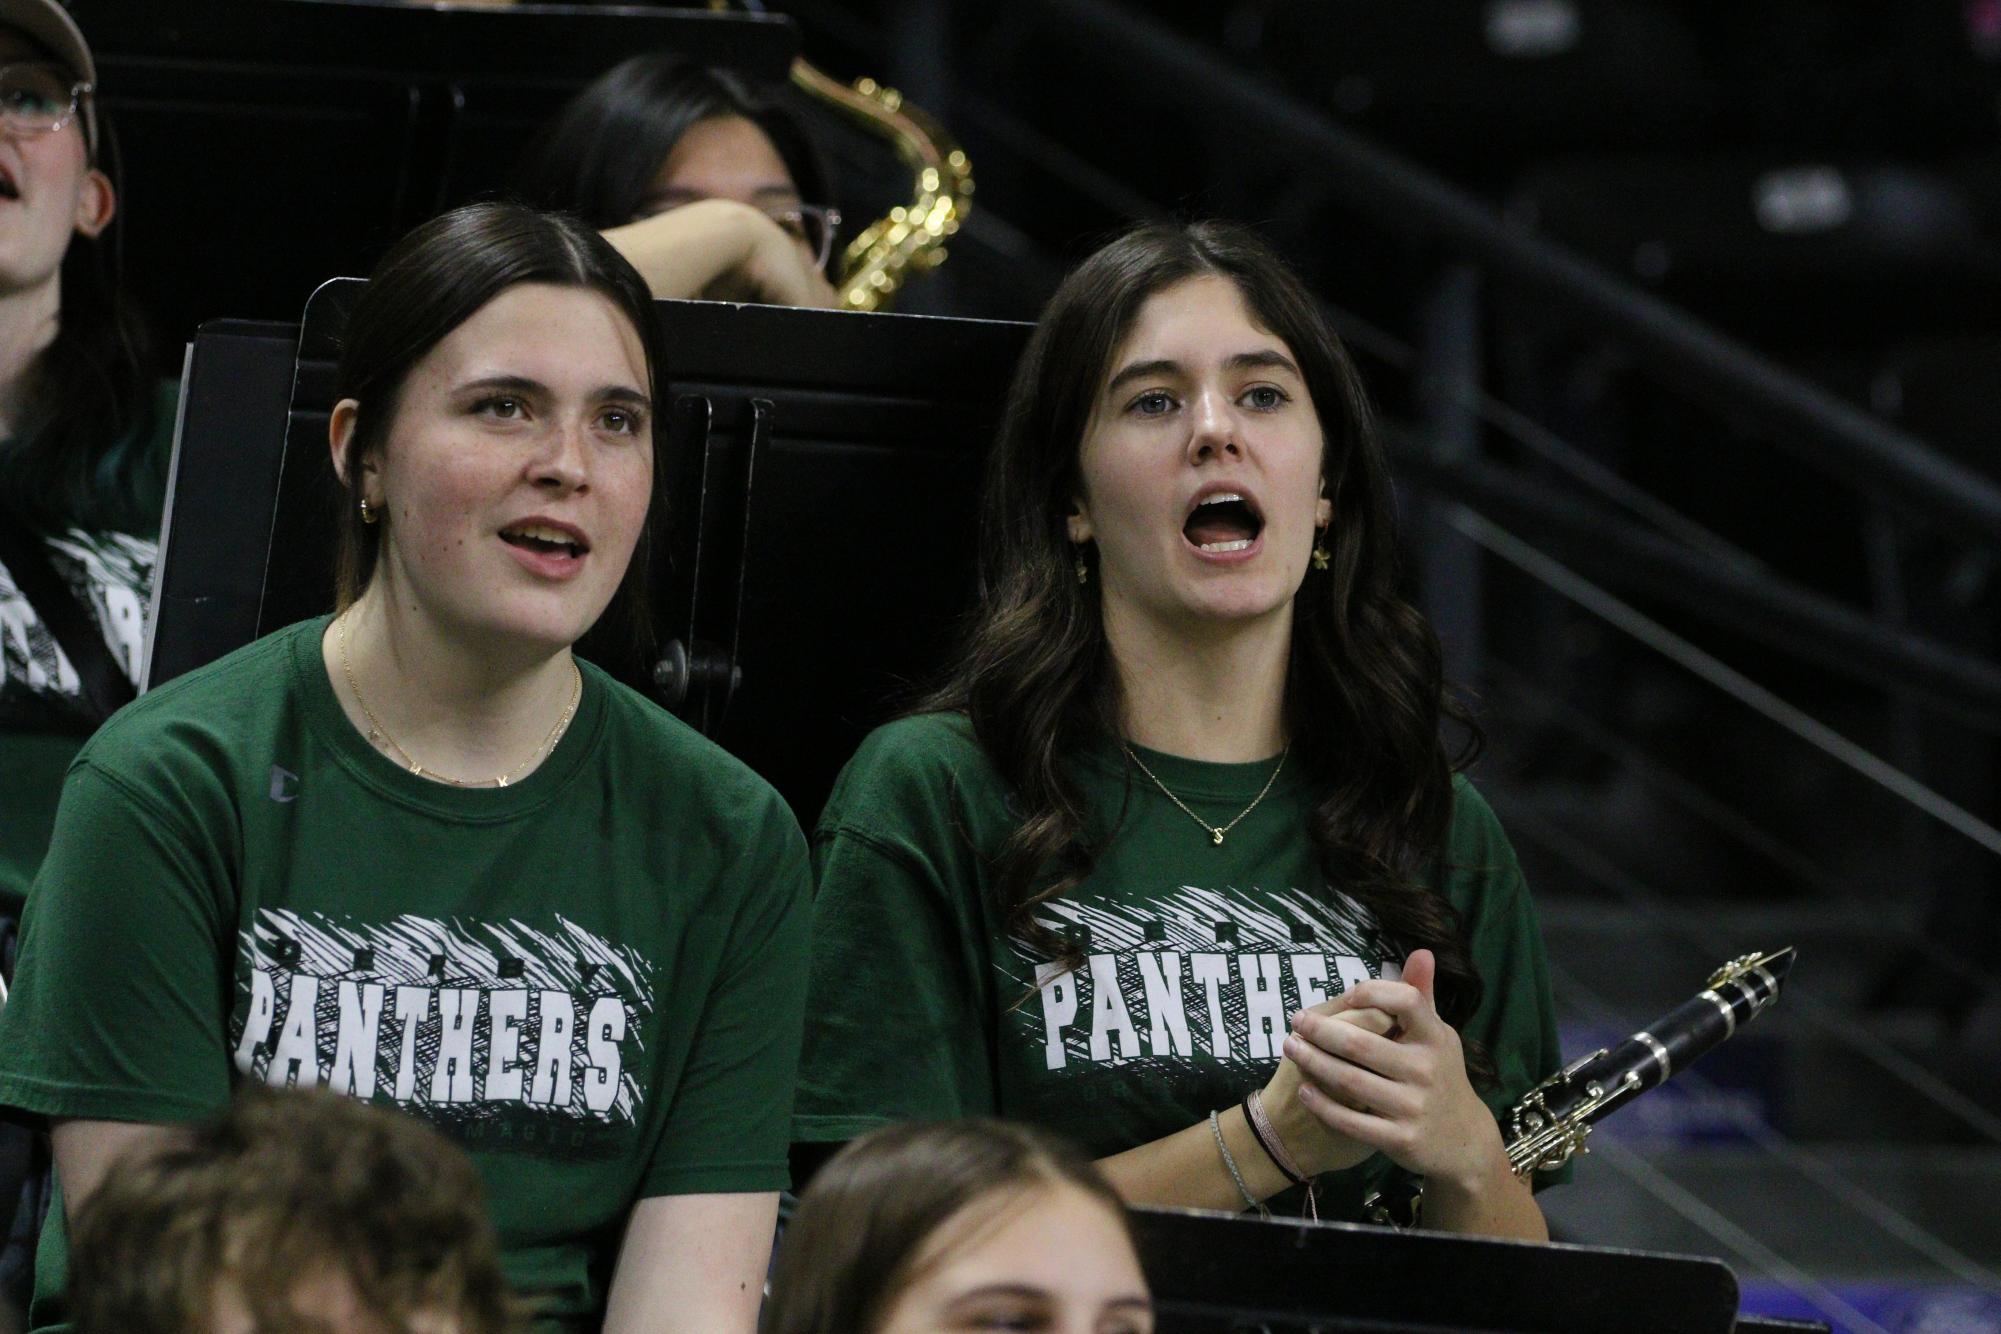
(1213, 1272)
(823, 469)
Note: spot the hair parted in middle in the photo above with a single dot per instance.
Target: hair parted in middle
(1365, 692)
(434, 280)
(284, 1190)
(860, 1233)
(600, 154)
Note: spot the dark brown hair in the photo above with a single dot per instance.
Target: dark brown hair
(1365, 693)
(600, 154)
(852, 1246)
(430, 283)
(282, 1189)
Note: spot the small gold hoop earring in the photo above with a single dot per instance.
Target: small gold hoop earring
(369, 514)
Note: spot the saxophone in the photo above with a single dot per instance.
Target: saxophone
(1549, 1126)
(911, 237)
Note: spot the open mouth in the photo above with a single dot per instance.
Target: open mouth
(1222, 523)
(545, 540)
(8, 189)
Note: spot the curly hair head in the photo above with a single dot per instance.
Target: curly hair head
(284, 1196)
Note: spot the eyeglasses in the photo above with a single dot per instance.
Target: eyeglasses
(36, 99)
(812, 225)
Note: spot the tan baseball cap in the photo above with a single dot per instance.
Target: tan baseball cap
(49, 24)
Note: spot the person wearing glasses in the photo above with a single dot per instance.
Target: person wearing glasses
(710, 189)
(84, 430)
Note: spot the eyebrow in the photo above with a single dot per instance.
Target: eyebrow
(522, 384)
(1135, 1302)
(1001, 1290)
(1263, 358)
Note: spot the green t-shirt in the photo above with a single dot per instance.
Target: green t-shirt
(921, 1006)
(591, 980)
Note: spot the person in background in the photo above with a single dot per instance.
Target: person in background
(295, 1210)
(84, 431)
(710, 189)
(419, 852)
(84, 436)
(958, 1225)
(1176, 861)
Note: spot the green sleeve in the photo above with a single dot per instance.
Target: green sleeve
(1516, 1021)
(121, 995)
(730, 1121)
(900, 1025)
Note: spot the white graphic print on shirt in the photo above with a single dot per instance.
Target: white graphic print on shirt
(110, 573)
(459, 1019)
(1215, 970)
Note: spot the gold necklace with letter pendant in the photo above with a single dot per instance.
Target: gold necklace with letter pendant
(1216, 831)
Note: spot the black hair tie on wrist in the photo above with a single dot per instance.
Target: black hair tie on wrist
(1265, 1144)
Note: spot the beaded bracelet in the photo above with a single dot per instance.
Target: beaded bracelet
(1216, 1128)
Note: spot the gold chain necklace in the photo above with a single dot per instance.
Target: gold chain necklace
(377, 732)
(1216, 831)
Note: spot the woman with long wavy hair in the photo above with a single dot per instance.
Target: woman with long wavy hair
(1175, 860)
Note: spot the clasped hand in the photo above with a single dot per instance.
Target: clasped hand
(1376, 1068)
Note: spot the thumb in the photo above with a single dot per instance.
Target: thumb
(1421, 971)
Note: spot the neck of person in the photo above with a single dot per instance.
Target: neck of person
(28, 322)
(464, 706)
(1204, 690)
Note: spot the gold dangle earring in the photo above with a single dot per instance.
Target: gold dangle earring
(368, 513)
(1320, 553)
(1083, 570)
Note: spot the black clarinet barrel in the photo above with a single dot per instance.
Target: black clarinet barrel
(1738, 993)
(1550, 1125)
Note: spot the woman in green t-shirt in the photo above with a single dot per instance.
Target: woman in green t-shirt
(421, 853)
(1089, 884)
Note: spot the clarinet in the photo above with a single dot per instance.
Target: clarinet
(1548, 1127)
